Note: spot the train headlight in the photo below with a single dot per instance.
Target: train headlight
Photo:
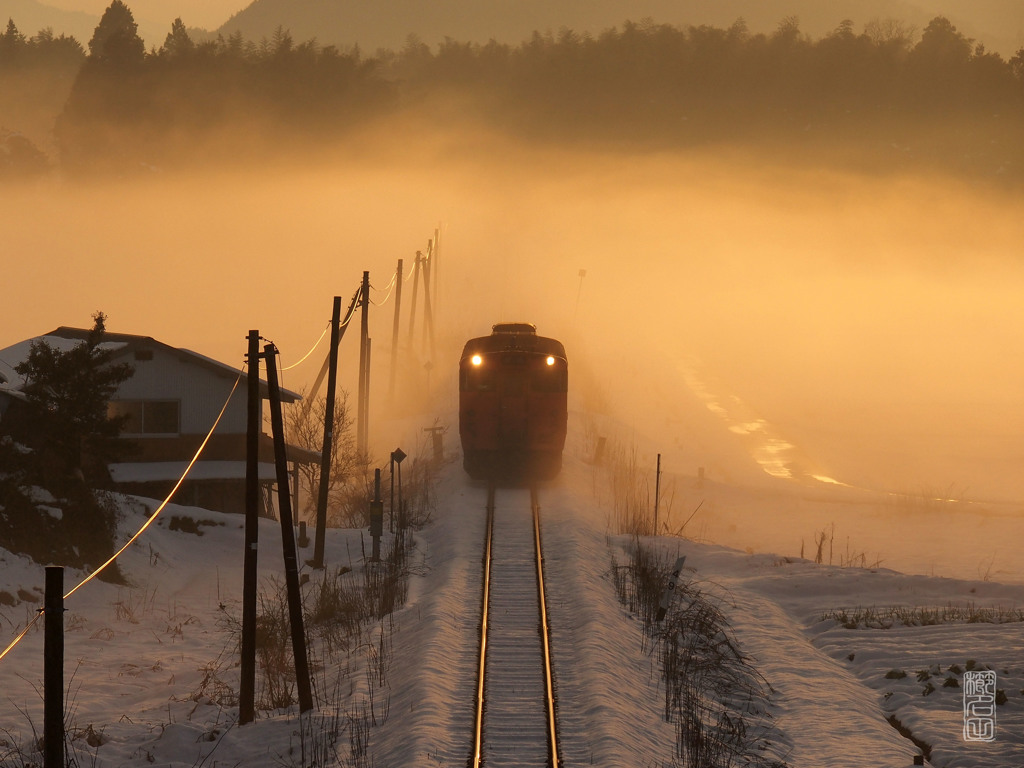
(476, 359)
(550, 360)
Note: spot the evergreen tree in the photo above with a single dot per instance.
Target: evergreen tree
(177, 44)
(116, 40)
(67, 393)
(53, 451)
(12, 43)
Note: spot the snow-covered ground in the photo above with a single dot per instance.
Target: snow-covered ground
(147, 665)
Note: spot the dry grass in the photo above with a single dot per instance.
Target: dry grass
(886, 617)
(714, 695)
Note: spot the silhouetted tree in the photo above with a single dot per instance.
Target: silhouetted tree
(61, 438)
(12, 44)
(116, 39)
(177, 44)
(68, 392)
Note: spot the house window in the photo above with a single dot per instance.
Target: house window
(147, 417)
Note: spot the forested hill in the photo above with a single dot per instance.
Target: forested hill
(882, 96)
(998, 24)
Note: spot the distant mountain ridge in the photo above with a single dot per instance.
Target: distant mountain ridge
(999, 24)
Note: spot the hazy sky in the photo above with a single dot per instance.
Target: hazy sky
(209, 14)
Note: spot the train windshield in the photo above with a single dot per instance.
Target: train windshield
(548, 374)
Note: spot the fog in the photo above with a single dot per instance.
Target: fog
(873, 323)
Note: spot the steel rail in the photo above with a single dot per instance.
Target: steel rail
(481, 673)
(476, 757)
(548, 680)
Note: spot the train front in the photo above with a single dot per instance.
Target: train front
(513, 406)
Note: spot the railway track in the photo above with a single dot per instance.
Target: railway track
(515, 708)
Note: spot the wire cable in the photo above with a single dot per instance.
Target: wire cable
(149, 522)
(390, 289)
(311, 351)
(24, 632)
(174, 490)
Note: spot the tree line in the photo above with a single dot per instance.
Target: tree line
(641, 82)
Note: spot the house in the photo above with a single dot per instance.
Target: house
(171, 401)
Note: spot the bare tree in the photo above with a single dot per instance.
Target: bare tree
(305, 428)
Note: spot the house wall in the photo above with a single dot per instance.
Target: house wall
(200, 391)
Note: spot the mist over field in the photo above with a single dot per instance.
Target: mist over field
(872, 320)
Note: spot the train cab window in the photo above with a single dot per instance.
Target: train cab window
(477, 380)
(547, 377)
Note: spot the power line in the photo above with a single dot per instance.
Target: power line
(149, 522)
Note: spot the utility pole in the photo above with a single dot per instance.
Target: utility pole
(428, 317)
(362, 429)
(435, 252)
(247, 684)
(416, 270)
(376, 517)
(291, 561)
(394, 332)
(53, 668)
(327, 449)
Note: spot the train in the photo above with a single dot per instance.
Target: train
(513, 404)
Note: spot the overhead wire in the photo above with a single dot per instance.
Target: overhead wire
(145, 526)
(166, 501)
(311, 350)
(389, 289)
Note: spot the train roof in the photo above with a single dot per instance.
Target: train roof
(514, 337)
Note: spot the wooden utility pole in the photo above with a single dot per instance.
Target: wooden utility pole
(428, 316)
(394, 332)
(416, 271)
(53, 668)
(657, 494)
(362, 428)
(376, 517)
(434, 253)
(291, 560)
(247, 684)
(327, 449)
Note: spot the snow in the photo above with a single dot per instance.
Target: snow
(143, 662)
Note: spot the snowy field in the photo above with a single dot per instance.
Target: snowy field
(151, 667)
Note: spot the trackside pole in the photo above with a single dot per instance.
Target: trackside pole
(376, 517)
(362, 430)
(53, 669)
(428, 314)
(291, 561)
(328, 444)
(247, 684)
(417, 269)
(394, 331)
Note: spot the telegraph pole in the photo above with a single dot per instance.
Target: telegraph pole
(247, 684)
(394, 332)
(291, 561)
(53, 668)
(362, 428)
(428, 316)
(416, 270)
(328, 444)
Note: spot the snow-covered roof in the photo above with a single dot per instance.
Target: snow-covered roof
(65, 338)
